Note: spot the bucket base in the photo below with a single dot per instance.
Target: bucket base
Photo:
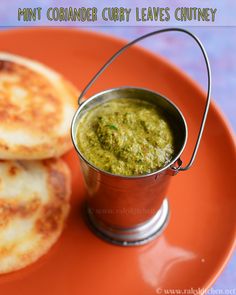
(132, 236)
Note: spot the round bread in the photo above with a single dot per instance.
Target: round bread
(34, 204)
(36, 108)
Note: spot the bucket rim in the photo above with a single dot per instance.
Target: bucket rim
(104, 92)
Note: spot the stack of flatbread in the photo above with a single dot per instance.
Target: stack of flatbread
(36, 107)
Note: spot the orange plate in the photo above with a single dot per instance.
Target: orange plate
(200, 236)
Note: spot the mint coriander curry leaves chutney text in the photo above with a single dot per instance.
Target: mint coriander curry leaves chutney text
(125, 137)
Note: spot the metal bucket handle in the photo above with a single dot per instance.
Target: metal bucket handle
(120, 51)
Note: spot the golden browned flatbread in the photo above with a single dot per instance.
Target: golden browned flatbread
(36, 108)
(34, 204)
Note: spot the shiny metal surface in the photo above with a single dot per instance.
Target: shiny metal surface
(124, 202)
(133, 236)
(118, 202)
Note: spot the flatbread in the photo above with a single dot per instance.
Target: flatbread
(34, 204)
(36, 108)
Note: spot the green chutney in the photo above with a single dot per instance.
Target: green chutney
(126, 137)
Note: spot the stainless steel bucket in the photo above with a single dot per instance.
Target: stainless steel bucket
(133, 210)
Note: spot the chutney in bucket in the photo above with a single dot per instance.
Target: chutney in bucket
(129, 141)
(126, 136)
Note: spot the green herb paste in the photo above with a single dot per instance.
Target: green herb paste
(126, 137)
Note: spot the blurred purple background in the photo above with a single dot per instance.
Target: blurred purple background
(220, 44)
